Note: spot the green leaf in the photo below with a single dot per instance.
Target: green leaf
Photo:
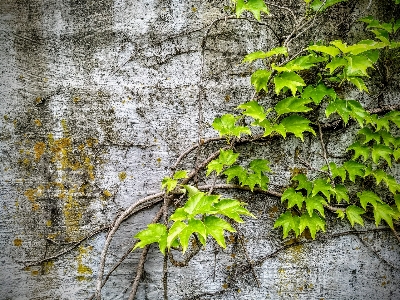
(215, 227)
(397, 201)
(155, 233)
(293, 197)
(321, 5)
(368, 197)
(385, 212)
(341, 193)
(191, 190)
(259, 79)
(387, 138)
(179, 215)
(354, 215)
(317, 203)
(380, 122)
(300, 63)
(226, 126)
(392, 184)
(396, 154)
(288, 79)
(225, 158)
(174, 232)
(357, 65)
(354, 169)
(396, 24)
(335, 63)
(336, 171)
(168, 183)
(394, 116)
(379, 176)
(370, 135)
(323, 186)
(340, 214)
(383, 151)
(292, 104)
(314, 224)
(359, 83)
(235, 171)
(358, 112)
(332, 51)
(303, 183)
(253, 6)
(194, 226)
(318, 93)
(254, 110)
(360, 47)
(261, 54)
(340, 107)
(200, 204)
(260, 165)
(180, 174)
(297, 125)
(359, 150)
(232, 209)
(288, 223)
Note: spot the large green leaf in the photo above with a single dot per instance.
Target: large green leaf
(200, 204)
(215, 227)
(253, 6)
(318, 93)
(300, 63)
(292, 104)
(358, 113)
(359, 150)
(288, 79)
(297, 125)
(385, 212)
(353, 214)
(382, 151)
(261, 54)
(254, 110)
(226, 125)
(368, 197)
(288, 223)
(293, 197)
(357, 65)
(354, 169)
(194, 226)
(340, 107)
(314, 223)
(370, 135)
(259, 79)
(335, 63)
(332, 51)
(303, 183)
(323, 186)
(260, 165)
(155, 233)
(235, 171)
(317, 203)
(232, 209)
(341, 193)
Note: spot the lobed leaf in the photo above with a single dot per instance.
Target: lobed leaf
(288, 223)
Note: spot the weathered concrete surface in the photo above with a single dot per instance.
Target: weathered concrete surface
(98, 98)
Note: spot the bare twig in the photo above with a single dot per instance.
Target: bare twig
(396, 234)
(249, 261)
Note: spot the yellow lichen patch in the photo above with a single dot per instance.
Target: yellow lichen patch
(49, 223)
(38, 123)
(47, 266)
(107, 193)
(32, 194)
(76, 99)
(6, 117)
(60, 149)
(18, 242)
(194, 9)
(91, 142)
(52, 236)
(72, 215)
(39, 149)
(122, 176)
(82, 268)
(38, 100)
(64, 126)
(158, 160)
(89, 167)
(35, 272)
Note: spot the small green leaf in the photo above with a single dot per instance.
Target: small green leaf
(215, 227)
(191, 190)
(288, 79)
(321, 5)
(340, 214)
(392, 184)
(259, 79)
(323, 186)
(336, 171)
(341, 108)
(179, 215)
(335, 63)
(292, 104)
(318, 93)
(253, 6)
(397, 201)
(288, 223)
(383, 151)
(357, 65)
(394, 116)
(354, 215)
(235, 171)
(300, 63)
(261, 54)
(254, 110)
(297, 125)
(168, 183)
(317, 203)
(379, 176)
(293, 197)
(174, 232)
(341, 193)
(225, 158)
(396, 154)
(359, 83)
(314, 224)
(226, 125)
(332, 51)
(359, 150)
(387, 138)
(358, 113)
(155, 233)
(180, 174)
(354, 169)
(380, 123)
(194, 226)
(385, 212)
(303, 183)
(232, 209)
(260, 165)
(368, 197)
(200, 204)
(370, 135)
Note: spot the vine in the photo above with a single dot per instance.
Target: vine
(308, 81)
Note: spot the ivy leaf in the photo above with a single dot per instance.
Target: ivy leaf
(235, 171)
(179, 215)
(288, 223)
(260, 165)
(174, 232)
(341, 108)
(180, 174)
(226, 126)
(319, 5)
(318, 93)
(332, 51)
(293, 197)
(383, 151)
(396, 154)
(323, 186)
(368, 197)
(168, 183)
(200, 204)
(232, 209)
(254, 110)
(394, 116)
(359, 150)
(300, 63)
(288, 79)
(225, 158)
(379, 176)
(370, 135)
(253, 6)
(191, 190)
(155, 233)
(358, 112)
(194, 226)
(357, 65)
(397, 201)
(380, 122)
(354, 215)
(297, 125)
(341, 193)
(359, 83)
(392, 184)
(336, 171)
(292, 104)
(251, 181)
(387, 138)
(385, 212)
(335, 63)
(303, 183)
(340, 214)
(354, 169)
(215, 227)
(259, 79)
(317, 203)
(314, 224)
(261, 54)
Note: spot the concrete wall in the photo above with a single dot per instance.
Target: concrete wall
(97, 100)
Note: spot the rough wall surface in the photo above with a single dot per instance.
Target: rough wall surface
(99, 98)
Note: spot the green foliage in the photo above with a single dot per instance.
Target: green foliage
(170, 183)
(225, 158)
(288, 79)
(321, 5)
(226, 125)
(253, 6)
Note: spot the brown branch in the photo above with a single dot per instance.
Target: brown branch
(396, 234)
(249, 261)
